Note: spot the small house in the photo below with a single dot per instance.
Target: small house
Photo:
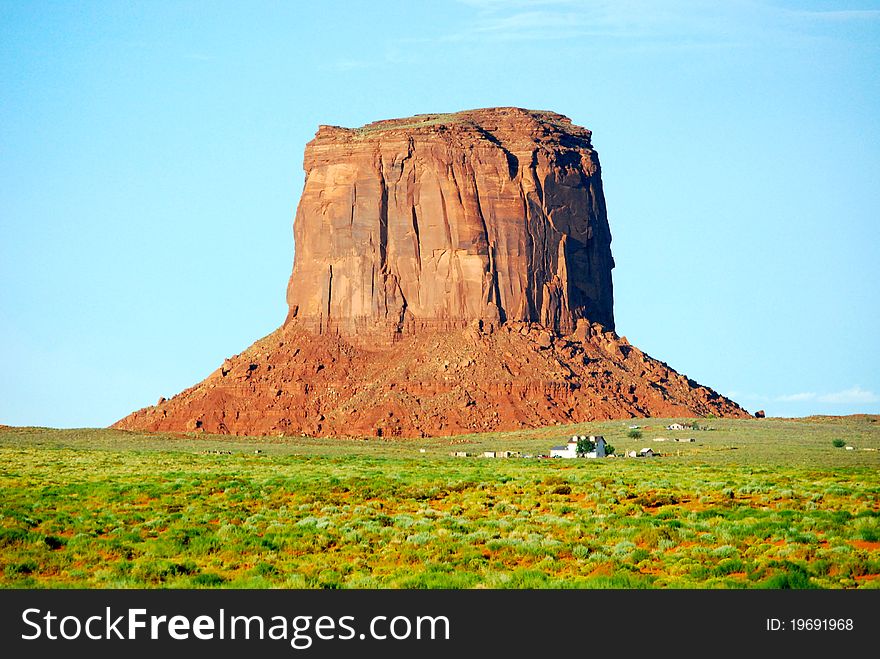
(569, 450)
(646, 453)
(489, 454)
(563, 451)
(675, 426)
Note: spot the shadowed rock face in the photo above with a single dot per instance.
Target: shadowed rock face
(436, 221)
(452, 275)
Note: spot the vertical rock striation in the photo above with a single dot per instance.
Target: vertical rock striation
(436, 221)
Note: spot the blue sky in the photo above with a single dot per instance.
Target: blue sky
(151, 162)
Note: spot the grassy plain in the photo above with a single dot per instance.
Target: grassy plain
(751, 503)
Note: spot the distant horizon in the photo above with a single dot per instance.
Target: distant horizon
(404, 439)
(151, 166)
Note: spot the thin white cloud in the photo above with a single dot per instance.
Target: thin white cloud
(797, 398)
(840, 15)
(666, 25)
(528, 20)
(693, 21)
(853, 395)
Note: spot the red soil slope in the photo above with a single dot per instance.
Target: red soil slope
(473, 380)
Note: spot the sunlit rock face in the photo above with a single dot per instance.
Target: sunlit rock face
(436, 221)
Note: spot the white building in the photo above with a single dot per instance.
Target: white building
(675, 426)
(569, 450)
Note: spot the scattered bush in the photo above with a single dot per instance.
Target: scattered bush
(838, 443)
(208, 579)
(54, 542)
(25, 567)
(12, 537)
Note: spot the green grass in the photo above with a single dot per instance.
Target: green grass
(751, 504)
(418, 121)
(449, 118)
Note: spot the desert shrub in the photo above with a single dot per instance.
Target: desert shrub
(838, 443)
(868, 529)
(176, 569)
(639, 555)
(725, 551)
(11, 537)
(581, 551)
(555, 480)
(619, 580)
(634, 434)
(623, 547)
(656, 499)
(727, 566)
(794, 577)
(420, 538)
(25, 567)
(208, 579)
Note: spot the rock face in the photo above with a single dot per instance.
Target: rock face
(439, 220)
(452, 274)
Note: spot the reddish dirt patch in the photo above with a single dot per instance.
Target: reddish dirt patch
(868, 577)
(603, 570)
(652, 571)
(682, 545)
(869, 545)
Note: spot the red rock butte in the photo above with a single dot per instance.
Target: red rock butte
(439, 220)
(452, 274)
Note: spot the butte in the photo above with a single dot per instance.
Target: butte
(452, 274)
